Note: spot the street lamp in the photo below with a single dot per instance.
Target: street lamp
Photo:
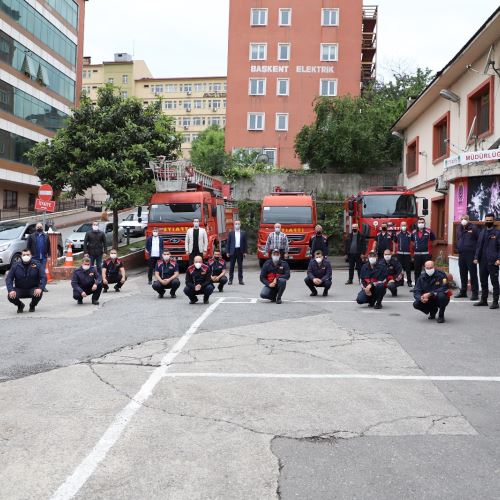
(449, 95)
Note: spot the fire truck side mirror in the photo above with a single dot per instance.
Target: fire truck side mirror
(351, 207)
(425, 206)
(214, 211)
(139, 214)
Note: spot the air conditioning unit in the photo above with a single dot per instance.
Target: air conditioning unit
(214, 109)
(441, 185)
(188, 110)
(188, 92)
(186, 127)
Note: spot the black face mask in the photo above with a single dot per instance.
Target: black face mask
(354, 230)
(318, 232)
(384, 229)
(489, 225)
(217, 258)
(39, 230)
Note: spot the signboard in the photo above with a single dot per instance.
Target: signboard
(45, 192)
(285, 69)
(45, 206)
(472, 157)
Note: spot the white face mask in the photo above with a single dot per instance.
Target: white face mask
(197, 265)
(464, 222)
(85, 267)
(26, 258)
(421, 225)
(196, 225)
(95, 227)
(155, 234)
(113, 255)
(387, 258)
(277, 230)
(237, 226)
(319, 260)
(166, 257)
(372, 260)
(276, 259)
(430, 272)
(403, 228)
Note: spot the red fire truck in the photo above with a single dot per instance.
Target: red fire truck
(296, 212)
(182, 195)
(376, 205)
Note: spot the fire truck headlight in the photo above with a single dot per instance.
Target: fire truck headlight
(375, 223)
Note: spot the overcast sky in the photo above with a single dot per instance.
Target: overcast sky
(189, 37)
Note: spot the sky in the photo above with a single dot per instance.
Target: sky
(189, 37)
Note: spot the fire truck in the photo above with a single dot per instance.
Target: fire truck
(182, 195)
(376, 205)
(296, 212)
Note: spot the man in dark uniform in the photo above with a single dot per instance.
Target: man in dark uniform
(319, 274)
(94, 245)
(383, 241)
(198, 281)
(39, 245)
(113, 271)
(422, 245)
(26, 279)
(403, 240)
(467, 236)
(217, 267)
(394, 272)
(86, 281)
(355, 248)
(274, 274)
(432, 292)
(318, 241)
(488, 257)
(166, 275)
(373, 279)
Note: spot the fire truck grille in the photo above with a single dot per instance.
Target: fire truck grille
(295, 237)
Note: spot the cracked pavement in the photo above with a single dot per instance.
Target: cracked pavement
(66, 372)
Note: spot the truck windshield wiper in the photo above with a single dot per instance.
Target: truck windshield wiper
(376, 215)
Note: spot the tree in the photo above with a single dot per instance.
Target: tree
(208, 153)
(108, 143)
(352, 134)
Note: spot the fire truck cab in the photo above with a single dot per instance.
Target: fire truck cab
(182, 195)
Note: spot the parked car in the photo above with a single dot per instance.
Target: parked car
(77, 237)
(13, 236)
(135, 227)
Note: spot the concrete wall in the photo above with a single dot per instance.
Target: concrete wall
(330, 185)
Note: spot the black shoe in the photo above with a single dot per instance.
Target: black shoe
(150, 282)
(410, 284)
(394, 294)
(79, 301)
(104, 290)
(20, 309)
(45, 290)
(313, 294)
(474, 296)
(432, 316)
(273, 300)
(325, 293)
(461, 295)
(494, 305)
(481, 303)
(440, 319)
(193, 301)
(117, 289)
(242, 282)
(371, 305)
(348, 282)
(95, 302)
(221, 289)
(377, 306)
(230, 282)
(173, 295)
(161, 295)
(32, 308)
(278, 301)
(205, 301)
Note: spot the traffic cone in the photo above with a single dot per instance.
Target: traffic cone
(47, 273)
(69, 256)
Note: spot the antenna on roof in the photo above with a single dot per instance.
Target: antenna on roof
(489, 61)
(471, 136)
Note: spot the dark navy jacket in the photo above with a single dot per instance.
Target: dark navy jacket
(198, 276)
(82, 281)
(269, 271)
(318, 242)
(394, 268)
(149, 245)
(166, 269)
(322, 271)
(384, 241)
(113, 269)
(216, 267)
(32, 245)
(403, 240)
(422, 242)
(437, 283)
(361, 243)
(488, 246)
(26, 276)
(231, 242)
(467, 238)
(377, 274)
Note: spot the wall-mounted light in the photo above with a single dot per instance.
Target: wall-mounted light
(398, 134)
(449, 95)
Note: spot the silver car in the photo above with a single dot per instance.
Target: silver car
(77, 237)
(13, 236)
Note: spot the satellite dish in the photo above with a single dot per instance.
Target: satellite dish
(489, 61)
(263, 158)
(471, 135)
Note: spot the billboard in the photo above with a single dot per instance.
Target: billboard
(483, 197)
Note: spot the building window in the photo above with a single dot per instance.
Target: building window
(329, 51)
(188, 87)
(186, 122)
(199, 87)
(258, 17)
(282, 122)
(285, 17)
(329, 17)
(215, 120)
(258, 51)
(441, 138)
(412, 158)
(170, 87)
(124, 94)
(256, 121)
(157, 89)
(217, 87)
(9, 199)
(111, 80)
(283, 51)
(171, 104)
(197, 104)
(480, 107)
(283, 86)
(187, 105)
(125, 79)
(197, 122)
(328, 88)
(31, 201)
(257, 86)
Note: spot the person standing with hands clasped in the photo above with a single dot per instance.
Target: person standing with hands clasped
(237, 249)
(94, 245)
(277, 240)
(153, 252)
(355, 248)
(422, 245)
(467, 236)
(196, 242)
(318, 241)
(39, 245)
(403, 240)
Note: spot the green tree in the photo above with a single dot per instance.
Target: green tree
(208, 153)
(352, 134)
(108, 143)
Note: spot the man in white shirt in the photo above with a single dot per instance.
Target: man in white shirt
(153, 250)
(237, 249)
(196, 242)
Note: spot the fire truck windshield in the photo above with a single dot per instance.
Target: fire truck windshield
(389, 205)
(175, 212)
(287, 215)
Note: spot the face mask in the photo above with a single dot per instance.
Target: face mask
(387, 258)
(39, 229)
(277, 230)
(354, 230)
(196, 225)
(430, 272)
(384, 228)
(26, 258)
(319, 260)
(217, 258)
(489, 225)
(197, 265)
(464, 222)
(373, 260)
(155, 234)
(113, 255)
(85, 267)
(319, 232)
(95, 228)
(276, 259)
(166, 257)
(237, 226)
(421, 226)
(403, 228)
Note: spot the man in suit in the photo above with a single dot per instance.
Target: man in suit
(196, 242)
(39, 246)
(237, 249)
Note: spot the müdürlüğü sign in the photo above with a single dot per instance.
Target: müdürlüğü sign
(472, 157)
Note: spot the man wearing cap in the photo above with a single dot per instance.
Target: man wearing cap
(86, 281)
(373, 280)
(355, 248)
(274, 274)
(319, 274)
(467, 236)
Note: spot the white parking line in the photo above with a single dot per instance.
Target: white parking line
(87, 467)
(334, 376)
